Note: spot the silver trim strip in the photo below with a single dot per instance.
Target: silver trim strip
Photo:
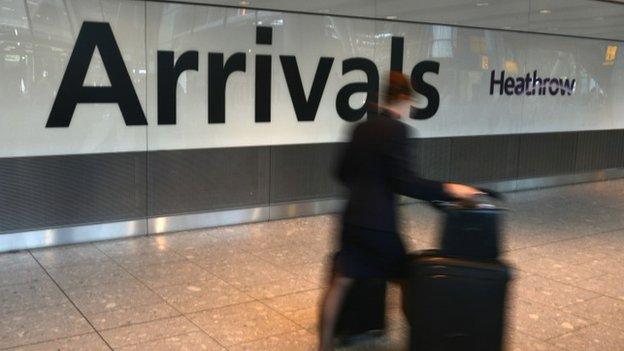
(117, 230)
(306, 208)
(176, 223)
(72, 235)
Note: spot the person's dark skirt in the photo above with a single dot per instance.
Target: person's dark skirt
(366, 253)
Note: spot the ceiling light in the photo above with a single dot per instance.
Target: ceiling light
(391, 17)
(244, 2)
(545, 12)
(479, 4)
(506, 27)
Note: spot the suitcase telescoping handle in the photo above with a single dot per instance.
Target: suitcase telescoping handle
(492, 193)
(469, 204)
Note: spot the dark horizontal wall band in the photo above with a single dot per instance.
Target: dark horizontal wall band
(184, 181)
(55, 191)
(51, 191)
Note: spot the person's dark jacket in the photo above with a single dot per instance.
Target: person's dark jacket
(374, 167)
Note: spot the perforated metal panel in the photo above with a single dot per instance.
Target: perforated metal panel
(484, 158)
(547, 154)
(183, 181)
(43, 192)
(600, 150)
(300, 172)
(432, 157)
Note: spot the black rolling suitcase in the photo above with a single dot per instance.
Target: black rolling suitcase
(456, 304)
(456, 295)
(363, 310)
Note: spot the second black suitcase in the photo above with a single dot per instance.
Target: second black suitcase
(471, 231)
(456, 304)
(364, 308)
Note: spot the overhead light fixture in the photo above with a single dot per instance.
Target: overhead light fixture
(545, 11)
(244, 2)
(479, 4)
(507, 27)
(610, 55)
(391, 17)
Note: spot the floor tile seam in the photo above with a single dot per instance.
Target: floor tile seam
(567, 307)
(93, 292)
(283, 314)
(35, 308)
(282, 295)
(263, 338)
(141, 265)
(129, 271)
(185, 316)
(47, 341)
(598, 295)
(92, 286)
(199, 330)
(252, 300)
(572, 332)
(599, 323)
(563, 310)
(116, 310)
(275, 267)
(207, 246)
(294, 293)
(570, 285)
(562, 240)
(71, 302)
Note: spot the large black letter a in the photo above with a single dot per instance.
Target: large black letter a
(72, 92)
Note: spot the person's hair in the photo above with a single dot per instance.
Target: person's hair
(398, 87)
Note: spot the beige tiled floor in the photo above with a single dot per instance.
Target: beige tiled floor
(256, 286)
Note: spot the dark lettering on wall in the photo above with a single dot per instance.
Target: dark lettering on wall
(568, 86)
(425, 89)
(94, 35)
(218, 74)
(305, 108)
(370, 87)
(499, 82)
(396, 54)
(264, 36)
(530, 85)
(509, 85)
(168, 75)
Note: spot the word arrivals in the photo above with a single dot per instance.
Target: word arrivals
(99, 35)
(531, 85)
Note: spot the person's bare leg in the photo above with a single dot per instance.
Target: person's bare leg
(330, 307)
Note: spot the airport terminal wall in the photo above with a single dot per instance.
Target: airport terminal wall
(139, 117)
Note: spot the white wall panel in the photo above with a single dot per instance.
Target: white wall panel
(33, 64)
(591, 104)
(35, 57)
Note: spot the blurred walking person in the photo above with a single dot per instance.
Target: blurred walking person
(375, 167)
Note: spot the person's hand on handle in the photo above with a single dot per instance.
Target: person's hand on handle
(460, 191)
